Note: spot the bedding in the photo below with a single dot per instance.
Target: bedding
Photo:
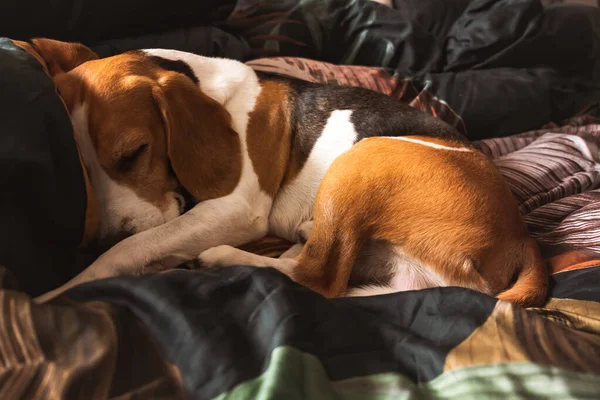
(519, 77)
(246, 332)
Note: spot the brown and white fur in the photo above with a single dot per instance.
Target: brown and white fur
(385, 197)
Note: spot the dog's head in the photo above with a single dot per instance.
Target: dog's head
(144, 129)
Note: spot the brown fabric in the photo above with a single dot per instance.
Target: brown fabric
(566, 334)
(77, 351)
(570, 265)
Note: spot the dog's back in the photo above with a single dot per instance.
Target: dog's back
(373, 113)
(324, 122)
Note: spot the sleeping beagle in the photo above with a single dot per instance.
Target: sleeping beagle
(379, 196)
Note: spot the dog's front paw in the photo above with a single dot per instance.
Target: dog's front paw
(218, 256)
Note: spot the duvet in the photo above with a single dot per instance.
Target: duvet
(517, 77)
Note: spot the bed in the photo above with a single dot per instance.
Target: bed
(247, 332)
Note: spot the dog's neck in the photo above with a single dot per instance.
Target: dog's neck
(229, 82)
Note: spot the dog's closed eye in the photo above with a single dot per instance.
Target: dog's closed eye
(128, 159)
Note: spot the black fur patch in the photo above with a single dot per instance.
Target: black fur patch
(373, 114)
(175, 65)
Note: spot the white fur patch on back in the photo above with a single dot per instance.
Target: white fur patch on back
(293, 204)
(429, 144)
(226, 81)
(119, 206)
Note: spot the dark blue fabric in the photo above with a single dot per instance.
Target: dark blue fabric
(42, 193)
(90, 21)
(218, 326)
(579, 284)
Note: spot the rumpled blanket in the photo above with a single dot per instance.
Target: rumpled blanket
(247, 332)
(491, 68)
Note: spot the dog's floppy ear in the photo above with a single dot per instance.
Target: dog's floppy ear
(204, 150)
(58, 57)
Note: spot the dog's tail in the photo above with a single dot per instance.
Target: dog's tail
(531, 286)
